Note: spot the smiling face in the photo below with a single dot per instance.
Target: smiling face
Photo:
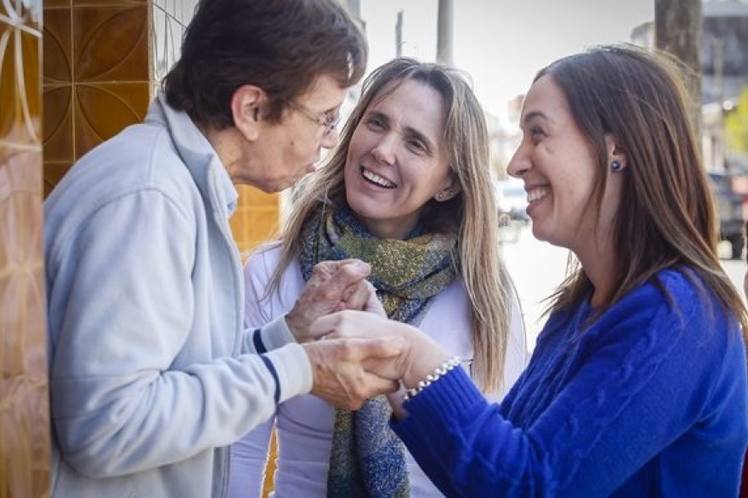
(396, 163)
(558, 166)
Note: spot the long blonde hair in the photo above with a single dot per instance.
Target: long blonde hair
(667, 216)
(472, 214)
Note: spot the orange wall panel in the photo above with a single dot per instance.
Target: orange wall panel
(96, 76)
(256, 217)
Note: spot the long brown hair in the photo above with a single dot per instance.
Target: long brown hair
(667, 214)
(472, 214)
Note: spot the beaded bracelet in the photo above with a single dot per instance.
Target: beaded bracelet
(439, 372)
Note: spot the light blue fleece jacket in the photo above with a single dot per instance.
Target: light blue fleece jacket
(151, 372)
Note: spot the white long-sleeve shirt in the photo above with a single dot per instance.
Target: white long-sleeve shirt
(305, 424)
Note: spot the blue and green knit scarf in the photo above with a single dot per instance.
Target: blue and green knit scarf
(367, 459)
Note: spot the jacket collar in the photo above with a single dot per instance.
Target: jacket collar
(198, 155)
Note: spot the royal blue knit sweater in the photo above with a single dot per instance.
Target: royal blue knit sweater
(649, 399)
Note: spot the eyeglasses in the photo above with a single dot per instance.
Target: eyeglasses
(328, 120)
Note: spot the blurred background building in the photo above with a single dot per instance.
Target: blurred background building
(724, 78)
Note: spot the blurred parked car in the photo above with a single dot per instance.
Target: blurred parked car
(730, 209)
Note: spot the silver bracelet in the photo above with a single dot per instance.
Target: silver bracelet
(439, 372)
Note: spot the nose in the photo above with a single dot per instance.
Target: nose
(330, 140)
(520, 163)
(384, 150)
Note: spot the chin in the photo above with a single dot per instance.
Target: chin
(539, 233)
(267, 187)
(358, 207)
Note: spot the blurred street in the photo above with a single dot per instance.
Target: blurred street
(538, 267)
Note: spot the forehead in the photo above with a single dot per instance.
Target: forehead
(413, 104)
(546, 97)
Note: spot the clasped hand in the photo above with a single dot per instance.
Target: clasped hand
(419, 354)
(357, 353)
(345, 372)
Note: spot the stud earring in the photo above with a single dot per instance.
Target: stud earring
(616, 165)
(443, 195)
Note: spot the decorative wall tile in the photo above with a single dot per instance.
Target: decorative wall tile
(53, 173)
(106, 3)
(24, 419)
(20, 119)
(58, 124)
(96, 76)
(48, 4)
(24, 412)
(59, 146)
(102, 110)
(110, 43)
(58, 47)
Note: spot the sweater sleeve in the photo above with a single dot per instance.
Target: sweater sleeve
(121, 403)
(629, 399)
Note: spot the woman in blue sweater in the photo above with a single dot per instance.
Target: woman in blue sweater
(637, 386)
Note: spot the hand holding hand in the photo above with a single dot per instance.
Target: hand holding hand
(339, 374)
(420, 354)
(333, 286)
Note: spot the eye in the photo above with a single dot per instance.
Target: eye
(330, 119)
(375, 123)
(536, 133)
(416, 146)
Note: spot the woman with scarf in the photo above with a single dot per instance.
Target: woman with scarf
(409, 191)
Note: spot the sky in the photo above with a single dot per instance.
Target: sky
(501, 44)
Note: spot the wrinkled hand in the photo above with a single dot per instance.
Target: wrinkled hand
(339, 374)
(372, 303)
(333, 286)
(420, 354)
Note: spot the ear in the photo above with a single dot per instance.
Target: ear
(450, 188)
(615, 152)
(246, 109)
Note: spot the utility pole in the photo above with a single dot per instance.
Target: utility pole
(718, 151)
(445, 32)
(399, 34)
(678, 26)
